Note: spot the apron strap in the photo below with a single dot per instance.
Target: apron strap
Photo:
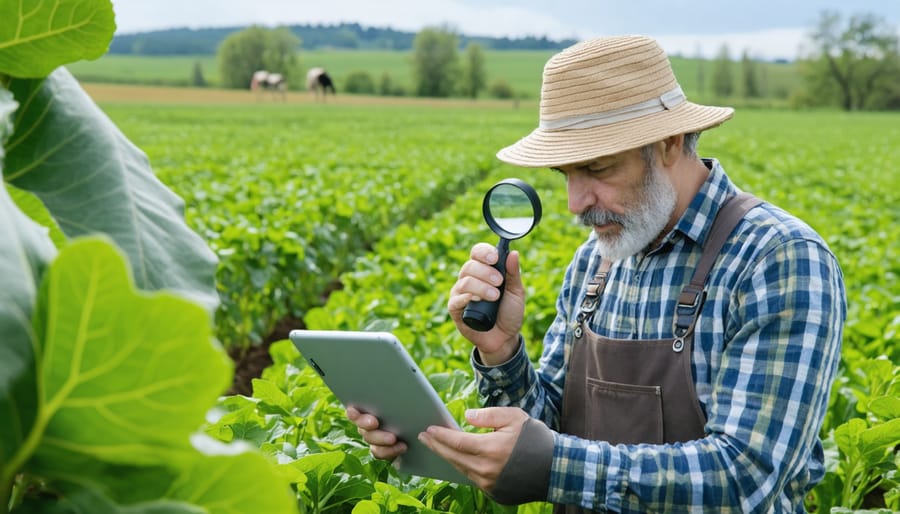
(592, 295)
(692, 296)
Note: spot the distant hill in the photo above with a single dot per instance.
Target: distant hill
(345, 36)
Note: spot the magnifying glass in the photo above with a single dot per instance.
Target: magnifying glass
(511, 208)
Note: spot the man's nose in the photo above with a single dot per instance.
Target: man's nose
(581, 195)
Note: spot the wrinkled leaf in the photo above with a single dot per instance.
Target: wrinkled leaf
(32, 207)
(272, 399)
(235, 483)
(24, 253)
(126, 376)
(885, 407)
(93, 179)
(36, 37)
(876, 441)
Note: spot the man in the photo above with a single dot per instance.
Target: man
(689, 365)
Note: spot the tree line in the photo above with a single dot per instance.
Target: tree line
(347, 36)
(854, 64)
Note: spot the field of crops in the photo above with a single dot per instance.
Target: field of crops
(520, 69)
(355, 217)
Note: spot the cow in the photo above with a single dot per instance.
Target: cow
(317, 79)
(263, 80)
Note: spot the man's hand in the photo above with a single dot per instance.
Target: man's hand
(382, 444)
(481, 457)
(479, 280)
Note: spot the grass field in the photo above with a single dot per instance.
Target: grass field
(520, 69)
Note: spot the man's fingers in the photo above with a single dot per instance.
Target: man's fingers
(388, 452)
(445, 441)
(497, 418)
(484, 252)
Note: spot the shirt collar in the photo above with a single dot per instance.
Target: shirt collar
(697, 219)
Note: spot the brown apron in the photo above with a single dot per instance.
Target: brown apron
(641, 391)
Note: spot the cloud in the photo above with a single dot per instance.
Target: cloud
(764, 44)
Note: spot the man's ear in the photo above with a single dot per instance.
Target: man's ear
(671, 149)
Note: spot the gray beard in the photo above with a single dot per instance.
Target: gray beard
(641, 224)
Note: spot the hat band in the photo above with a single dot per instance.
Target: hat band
(665, 102)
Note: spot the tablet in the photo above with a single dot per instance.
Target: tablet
(373, 372)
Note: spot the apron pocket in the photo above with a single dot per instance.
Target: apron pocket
(623, 413)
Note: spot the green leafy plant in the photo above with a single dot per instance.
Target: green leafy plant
(107, 360)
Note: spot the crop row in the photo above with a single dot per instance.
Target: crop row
(289, 198)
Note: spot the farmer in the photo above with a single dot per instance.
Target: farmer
(697, 332)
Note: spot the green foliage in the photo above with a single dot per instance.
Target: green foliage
(278, 162)
(359, 82)
(750, 78)
(101, 381)
(856, 66)
(474, 74)
(435, 62)
(401, 285)
(501, 89)
(197, 79)
(36, 37)
(295, 196)
(258, 48)
(722, 78)
(387, 87)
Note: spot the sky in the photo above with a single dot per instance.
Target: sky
(766, 29)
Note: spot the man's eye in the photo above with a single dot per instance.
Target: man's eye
(598, 171)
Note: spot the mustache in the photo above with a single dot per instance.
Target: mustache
(595, 216)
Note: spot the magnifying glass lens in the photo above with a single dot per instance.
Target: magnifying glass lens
(511, 209)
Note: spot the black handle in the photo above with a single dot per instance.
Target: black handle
(482, 315)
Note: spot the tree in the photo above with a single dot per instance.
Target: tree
(858, 65)
(474, 75)
(197, 79)
(701, 71)
(257, 48)
(751, 81)
(435, 62)
(359, 82)
(723, 82)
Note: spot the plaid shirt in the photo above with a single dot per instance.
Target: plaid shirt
(766, 350)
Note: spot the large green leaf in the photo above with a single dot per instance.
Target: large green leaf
(31, 206)
(93, 179)
(87, 500)
(125, 376)
(37, 36)
(24, 253)
(230, 484)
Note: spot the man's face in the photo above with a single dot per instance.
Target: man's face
(626, 200)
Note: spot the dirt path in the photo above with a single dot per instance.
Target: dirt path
(123, 93)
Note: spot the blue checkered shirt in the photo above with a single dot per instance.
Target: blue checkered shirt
(766, 350)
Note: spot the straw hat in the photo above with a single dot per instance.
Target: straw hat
(604, 96)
